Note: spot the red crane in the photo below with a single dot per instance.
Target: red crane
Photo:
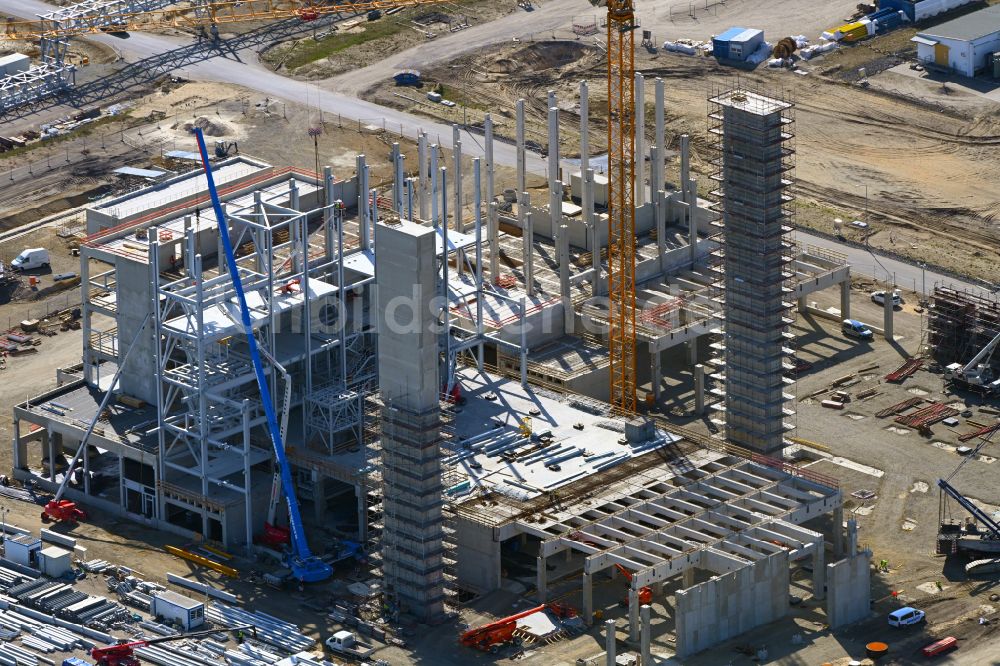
(123, 654)
(645, 593)
(490, 637)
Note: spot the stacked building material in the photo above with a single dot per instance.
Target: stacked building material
(929, 415)
(899, 408)
(981, 432)
(906, 370)
(269, 629)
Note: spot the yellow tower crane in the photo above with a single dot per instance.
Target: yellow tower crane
(621, 202)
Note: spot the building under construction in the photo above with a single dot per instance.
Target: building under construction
(960, 324)
(436, 352)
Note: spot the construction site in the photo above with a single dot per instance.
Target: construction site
(560, 382)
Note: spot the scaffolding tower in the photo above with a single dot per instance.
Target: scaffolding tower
(753, 166)
(961, 323)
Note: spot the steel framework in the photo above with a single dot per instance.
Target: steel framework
(34, 83)
(130, 15)
(621, 202)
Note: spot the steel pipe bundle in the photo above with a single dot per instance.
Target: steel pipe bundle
(271, 630)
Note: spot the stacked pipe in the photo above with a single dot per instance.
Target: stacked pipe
(174, 656)
(269, 629)
(12, 655)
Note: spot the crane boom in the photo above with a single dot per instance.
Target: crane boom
(621, 202)
(305, 566)
(120, 652)
(967, 504)
(986, 352)
(201, 13)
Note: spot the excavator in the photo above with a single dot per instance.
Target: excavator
(490, 637)
(123, 654)
(645, 593)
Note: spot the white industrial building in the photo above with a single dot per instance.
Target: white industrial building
(963, 45)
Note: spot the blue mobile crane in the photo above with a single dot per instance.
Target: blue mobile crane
(305, 566)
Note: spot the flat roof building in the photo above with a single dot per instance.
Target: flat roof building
(964, 45)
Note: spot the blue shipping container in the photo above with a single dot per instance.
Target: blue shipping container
(737, 43)
(898, 5)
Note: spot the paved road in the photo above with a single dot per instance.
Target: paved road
(340, 98)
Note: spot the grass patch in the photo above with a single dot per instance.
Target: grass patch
(306, 51)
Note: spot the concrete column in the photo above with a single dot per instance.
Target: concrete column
(424, 177)
(645, 658)
(564, 290)
(398, 180)
(609, 642)
(803, 304)
(488, 156)
(845, 299)
(692, 213)
(688, 580)
(887, 312)
(660, 138)
(852, 537)
(319, 497)
(51, 441)
(361, 499)
(456, 140)
(699, 389)
(661, 227)
(838, 532)
(685, 175)
(327, 216)
(819, 573)
(640, 139)
(434, 185)
(584, 126)
(633, 615)
(527, 243)
(86, 470)
(521, 184)
(654, 357)
(363, 213)
(588, 599)
(692, 347)
(590, 219)
(555, 186)
(494, 239)
(492, 222)
(542, 583)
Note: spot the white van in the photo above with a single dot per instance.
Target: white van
(905, 617)
(31, 258)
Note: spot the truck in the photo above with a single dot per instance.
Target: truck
(347, 644)
(31, 258)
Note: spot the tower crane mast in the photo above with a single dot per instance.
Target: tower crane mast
(621, 202)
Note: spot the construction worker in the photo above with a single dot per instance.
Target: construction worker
(239, 637)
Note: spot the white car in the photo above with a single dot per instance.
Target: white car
(905, 617)
(878, 297)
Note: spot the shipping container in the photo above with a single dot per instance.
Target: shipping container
(14, 63)
(922, 9)
(737, 43)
